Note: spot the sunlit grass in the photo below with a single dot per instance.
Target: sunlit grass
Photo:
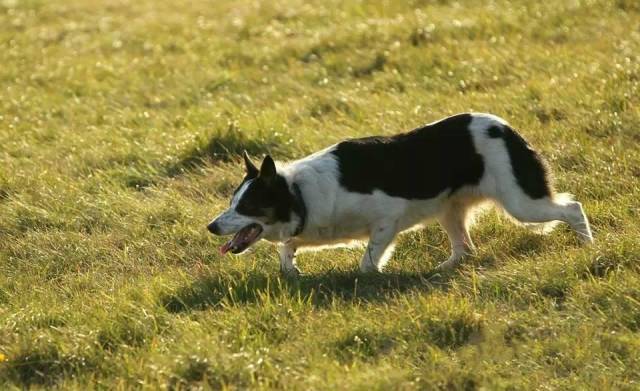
(120, 126)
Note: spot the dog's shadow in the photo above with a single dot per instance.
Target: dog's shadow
(320, 290)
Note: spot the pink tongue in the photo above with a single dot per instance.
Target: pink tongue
(225, 247)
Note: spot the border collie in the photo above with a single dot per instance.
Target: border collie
(377, 187)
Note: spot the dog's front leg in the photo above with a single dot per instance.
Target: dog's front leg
(288, 260)
(379, 248)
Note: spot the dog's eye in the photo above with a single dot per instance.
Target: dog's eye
(249, 209)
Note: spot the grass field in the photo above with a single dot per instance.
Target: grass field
(121, 124)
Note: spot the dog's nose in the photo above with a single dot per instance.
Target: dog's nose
(214, 228)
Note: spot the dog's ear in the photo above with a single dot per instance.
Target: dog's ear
(252, 170)
(268, 169)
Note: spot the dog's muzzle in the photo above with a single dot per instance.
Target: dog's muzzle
(214, 228)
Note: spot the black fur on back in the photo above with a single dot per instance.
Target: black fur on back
(528, 166)
(419, 164)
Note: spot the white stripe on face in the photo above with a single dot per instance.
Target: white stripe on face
(236, 198)
(230, 221)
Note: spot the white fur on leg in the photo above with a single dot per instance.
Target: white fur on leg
(579, 222)
(288, 259)
(379, 249)
(547, 211)
(455, 221)
(574, 216)
(459, 251)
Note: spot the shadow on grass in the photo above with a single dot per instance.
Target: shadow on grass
(43, 367)
(225, 146)
(320, 290)
(377, 65)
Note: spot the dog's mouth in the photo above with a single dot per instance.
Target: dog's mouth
(243, 239)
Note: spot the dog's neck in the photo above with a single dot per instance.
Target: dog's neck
(299, 208)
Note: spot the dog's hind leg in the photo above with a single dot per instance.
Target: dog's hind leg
(455, 221)
(288, 265)
(380, 248)
(548, 209)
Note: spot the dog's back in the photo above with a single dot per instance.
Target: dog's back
(419, 164)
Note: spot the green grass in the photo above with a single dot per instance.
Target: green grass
(121, 125)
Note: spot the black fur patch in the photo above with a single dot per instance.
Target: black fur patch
(528, 167)
(495, 131)
(416, 165)
(270, 200)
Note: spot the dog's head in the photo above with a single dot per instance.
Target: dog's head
(261, 207)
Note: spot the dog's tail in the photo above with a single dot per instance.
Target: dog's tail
(545, 228)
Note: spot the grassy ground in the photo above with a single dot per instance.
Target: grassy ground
(120, 128)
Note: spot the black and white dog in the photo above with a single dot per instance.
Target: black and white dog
(377, 187)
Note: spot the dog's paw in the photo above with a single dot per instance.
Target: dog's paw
(291, 273)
